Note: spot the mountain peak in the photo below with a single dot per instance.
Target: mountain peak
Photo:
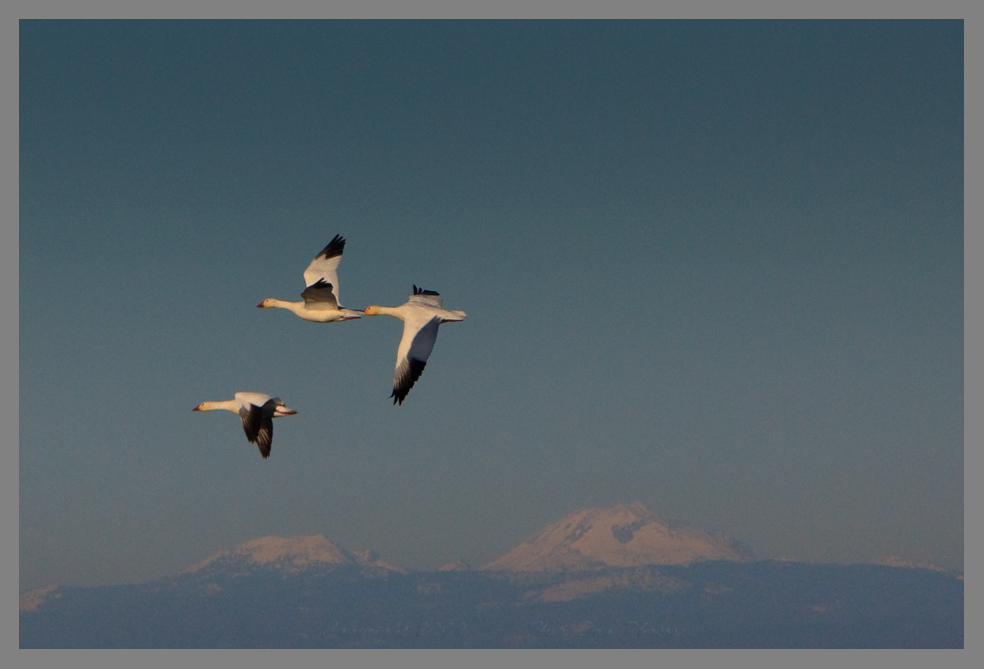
(292, 554)
(625, 535)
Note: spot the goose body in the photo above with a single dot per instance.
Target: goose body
(257, 412)
(421, 314)
(320, 303)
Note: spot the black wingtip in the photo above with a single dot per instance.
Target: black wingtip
(400, 394)
(421, 291)
(402, 387)
(334, 247)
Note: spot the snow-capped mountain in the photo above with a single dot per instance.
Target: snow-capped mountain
(599, 578)
(622, 536)
(291, 555)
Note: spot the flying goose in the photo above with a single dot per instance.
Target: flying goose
(421, 315)
(257, 411)
(320, 303)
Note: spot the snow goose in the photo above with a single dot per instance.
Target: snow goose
(320, 303)
(421, 314)
(257, 412)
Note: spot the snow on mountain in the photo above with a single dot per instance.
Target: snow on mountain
(370, 558)
(292, 554)
(896, 561)
(32, 599)
(622, 536)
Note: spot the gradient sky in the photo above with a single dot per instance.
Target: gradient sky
(715, 267)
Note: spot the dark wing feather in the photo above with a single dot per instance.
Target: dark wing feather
(320, 294)
(334, 248)
(406, 376)
(258, 426)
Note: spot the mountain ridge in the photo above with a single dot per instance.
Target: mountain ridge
(706, 604)
(625, 535)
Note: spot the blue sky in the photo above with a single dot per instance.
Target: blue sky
(715, 267)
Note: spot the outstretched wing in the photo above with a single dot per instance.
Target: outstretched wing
(411, 357)
(258, 425)
(324, 267)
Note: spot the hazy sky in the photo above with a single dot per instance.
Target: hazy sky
(715, 267)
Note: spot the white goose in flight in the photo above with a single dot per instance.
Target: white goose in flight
(320, 303)
(257, 412)
(421, 315)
